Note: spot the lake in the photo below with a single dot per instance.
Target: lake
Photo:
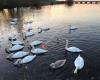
(86, 17)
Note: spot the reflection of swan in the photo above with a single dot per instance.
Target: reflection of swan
(79, 63)
(36, 42)
(26, 59)
(58, 64)
(16, 47)
(71, 49)
(17, 42)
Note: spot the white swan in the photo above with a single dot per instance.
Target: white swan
(14, 19)
(35, 43)
(38, 51)
(17, 42)
(13, 23)
(19, 54)
(29, 33)
(26, 59)
(72, 27)
(16, 47)
(72, 49)
(58, 64)
(79, 64)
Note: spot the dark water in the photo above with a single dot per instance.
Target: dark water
(86, 17)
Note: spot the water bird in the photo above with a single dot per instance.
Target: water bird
(44, 28)
(79, 63)
(24, 60)
(36, 42)
(16, 47)
(40, 30)
(19, 54)
(72, 27)
(17, 42)
(72, 49)
(29, 33)
(13, 22)
(38, 51)
(14, 19)
(57, 64)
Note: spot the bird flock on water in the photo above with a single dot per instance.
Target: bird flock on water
(19, 57)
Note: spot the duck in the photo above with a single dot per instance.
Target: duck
(38, 50)
(36, 42)
(16, 47)
(25, 60)
(57, 64)
(79, 64)
(72, 49)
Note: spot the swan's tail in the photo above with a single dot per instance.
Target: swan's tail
(75, 71)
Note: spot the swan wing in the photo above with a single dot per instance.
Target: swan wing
(38, 51)
(79, 62)
(16, 47)
(20, 54)
(74, 49)
(27, 59)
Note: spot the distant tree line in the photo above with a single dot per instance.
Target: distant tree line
(19, 3)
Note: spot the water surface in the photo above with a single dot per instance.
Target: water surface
(86, 17)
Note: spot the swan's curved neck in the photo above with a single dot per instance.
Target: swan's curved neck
(66, 44)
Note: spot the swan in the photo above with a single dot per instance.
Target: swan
(17, 42)
(39, 30)
(79, 64)
(29, 33)
(13, 23)
(44, 28)
(19, 54)
(14, 19)
(58, 64)
(38, 50)
(16, 47)
(29, 26)
(26, 59)
(72, 27)
(36, 42)
(72, 49)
